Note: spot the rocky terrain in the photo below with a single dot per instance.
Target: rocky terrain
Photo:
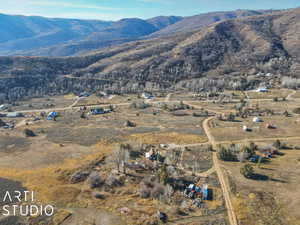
(233, 50)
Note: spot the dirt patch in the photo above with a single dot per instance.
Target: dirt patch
(10, 143)
(10, 186)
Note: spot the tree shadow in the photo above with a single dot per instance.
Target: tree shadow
(261, 177)
(278, 180)
(264, 168)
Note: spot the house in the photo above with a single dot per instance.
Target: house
(4, 107)
(97, 111)
(245, 128)
(262, 90)
(257, 120)
(14, 115)
(147, 95)
(268, 151)
(52, 116)
(83, 94)
(270, 126)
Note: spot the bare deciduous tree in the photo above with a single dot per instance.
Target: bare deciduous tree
(121, 156)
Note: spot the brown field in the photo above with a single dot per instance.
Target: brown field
(232, 131)
(45, 103)
(270, 94)
(273, 197)
(71, 143)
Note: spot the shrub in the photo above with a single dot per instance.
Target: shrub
(297, 110)
(157, 191)
(247, 171)
(95, 180)
(277, 144)
(29, 133)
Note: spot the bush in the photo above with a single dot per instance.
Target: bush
(277, 144)
(139, 105)
(297, 111)
(95, 180)
(29, 133)
(157, 191)
(247, 171)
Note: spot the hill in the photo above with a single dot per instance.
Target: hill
(192, 23)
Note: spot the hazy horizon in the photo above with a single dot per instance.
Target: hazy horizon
(144, 9)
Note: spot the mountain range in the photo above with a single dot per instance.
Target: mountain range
(39, 36)
(222, 54)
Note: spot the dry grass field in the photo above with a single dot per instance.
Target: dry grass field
(233, 131)
(73, 144)
(272, 199)
(272, 93)
(45, 103)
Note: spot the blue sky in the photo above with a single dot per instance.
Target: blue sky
(117, 9)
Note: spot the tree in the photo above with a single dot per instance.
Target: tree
(226, 154)
(253, 147)
(231, 117)
(163, 174)
(249, 150)
(286, 113)
(277, 144)
(29, 133)
(121, 156)
(247, 171)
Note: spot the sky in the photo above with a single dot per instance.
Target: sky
(118, 9)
